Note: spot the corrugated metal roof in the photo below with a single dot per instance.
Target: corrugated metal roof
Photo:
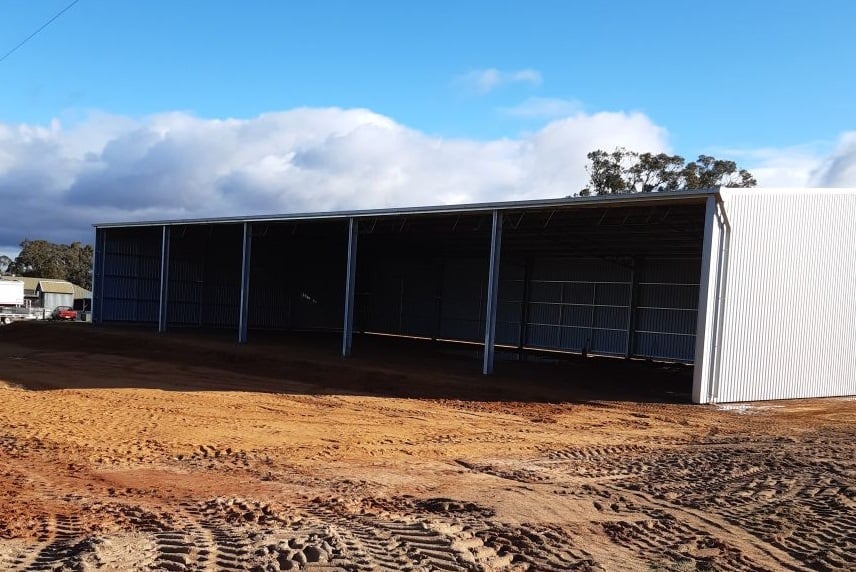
(30, 283)
(562, 203)
(56, 286)
(52, 285)
(81, 292)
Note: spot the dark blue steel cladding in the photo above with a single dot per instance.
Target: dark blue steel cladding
(579, 305)
(131, 276)
(560, 303)
(667, 307)
(572, 304)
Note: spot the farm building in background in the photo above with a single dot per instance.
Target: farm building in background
(48, 293)
(54, 293)
(754, 287)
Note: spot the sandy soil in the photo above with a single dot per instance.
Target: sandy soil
(124, 450)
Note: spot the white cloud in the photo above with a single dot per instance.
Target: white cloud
(818, 164)
(484, 81)
(544, 108)
(55, 181)
(839, 169)
(777, 167)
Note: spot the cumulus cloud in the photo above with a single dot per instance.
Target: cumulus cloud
(839, 169)
(818, 164)
(56, 180)
(778, 167)
(486, 80)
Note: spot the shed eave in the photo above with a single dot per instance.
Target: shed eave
(565, 202)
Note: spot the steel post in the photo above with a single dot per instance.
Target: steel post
(163, 300)
(350, 283)
(492, 293)
(524, 308)
(245, 284)
(98, 275)
(630, 342)
(706, 306)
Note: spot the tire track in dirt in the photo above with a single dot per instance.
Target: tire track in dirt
(246, 534)
(695, 501)
(173, 548)
(532, 547)
(217, 472)
(786, 497)
(674, 483)
(702, 525)
(232, 547)
(58, 533)
(615, 473)
(13, 556)
(602, 461)
(406, 540)
(24, 555)
(65, 542)
(202, 541)
(367, 546)
(445, 534)
(814, 524)
(666, 540)
(426, 548)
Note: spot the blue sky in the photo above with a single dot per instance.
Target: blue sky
(769, 84)
(718, 74)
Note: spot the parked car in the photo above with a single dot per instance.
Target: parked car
(64, 313)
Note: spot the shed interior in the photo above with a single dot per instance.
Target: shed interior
(598, 279)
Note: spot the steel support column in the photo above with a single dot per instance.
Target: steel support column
(630, 343)
(706, 306)
(350, 283)
(524, 308)
(492, 293)
(98, 275)
(245, 284)
(163, 299)
(439, 273)
(721, 286)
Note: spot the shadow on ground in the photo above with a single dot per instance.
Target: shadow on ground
(310, 363)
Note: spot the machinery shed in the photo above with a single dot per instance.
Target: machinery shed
(54, 293)
(663, 276)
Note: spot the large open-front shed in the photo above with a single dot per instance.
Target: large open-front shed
(753, 287)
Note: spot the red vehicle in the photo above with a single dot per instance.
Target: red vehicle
(64, 313)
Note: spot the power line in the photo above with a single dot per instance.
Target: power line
(43, 26)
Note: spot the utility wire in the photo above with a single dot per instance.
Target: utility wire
(43, 26)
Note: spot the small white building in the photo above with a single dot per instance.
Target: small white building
(54, 293)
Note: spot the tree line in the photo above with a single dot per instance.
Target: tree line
(72, 262)
(623, 171)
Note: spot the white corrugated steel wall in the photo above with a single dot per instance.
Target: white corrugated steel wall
(789, 306)
(51, 300)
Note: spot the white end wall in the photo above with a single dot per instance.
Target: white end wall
(784, 310)
(708, 301)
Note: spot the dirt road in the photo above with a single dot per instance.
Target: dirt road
(125, 450)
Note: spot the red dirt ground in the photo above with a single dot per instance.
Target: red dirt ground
(124, 450)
